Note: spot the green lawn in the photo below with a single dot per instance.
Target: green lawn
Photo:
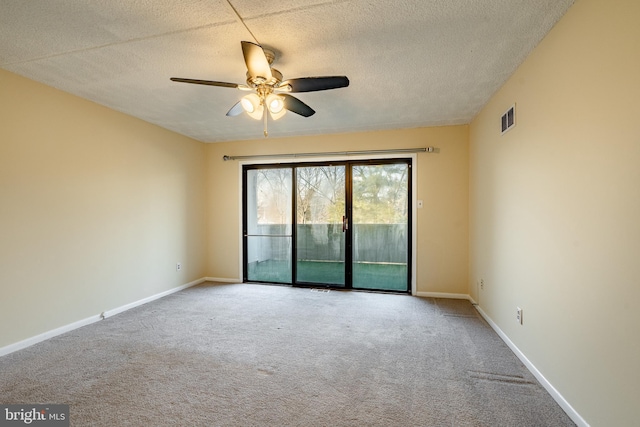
(378, 276)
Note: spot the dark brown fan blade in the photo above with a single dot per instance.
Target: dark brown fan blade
(236, 110)
(312, 84)
(293, 104)
(256, 61)
(204, 82)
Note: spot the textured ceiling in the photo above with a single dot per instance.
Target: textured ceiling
(411, 63)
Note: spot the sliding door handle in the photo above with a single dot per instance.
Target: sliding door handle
(345, 223)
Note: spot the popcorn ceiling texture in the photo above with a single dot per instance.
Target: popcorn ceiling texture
(411, 63)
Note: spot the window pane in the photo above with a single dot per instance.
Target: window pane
(268, 210)
(380, 226)
(269, 259)
(269, 201)
(320, 238)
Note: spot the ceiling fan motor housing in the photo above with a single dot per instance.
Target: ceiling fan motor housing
(274, 81)
(269, 54)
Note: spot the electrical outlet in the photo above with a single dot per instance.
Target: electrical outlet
(519, 315)
(178, 266)
(482, 284)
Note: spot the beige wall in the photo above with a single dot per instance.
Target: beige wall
(555, 210)
(442, 225)
(96, 208)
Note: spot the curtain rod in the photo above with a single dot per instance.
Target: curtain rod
(333, 153)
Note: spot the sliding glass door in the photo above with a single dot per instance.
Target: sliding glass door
(320, 225)
(268, 225)
(342, 225)
(380, 227)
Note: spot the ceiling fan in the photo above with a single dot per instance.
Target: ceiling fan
(268, 89)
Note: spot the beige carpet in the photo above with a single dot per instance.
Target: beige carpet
(257, 355)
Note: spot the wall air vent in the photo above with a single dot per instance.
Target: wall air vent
(509, 119)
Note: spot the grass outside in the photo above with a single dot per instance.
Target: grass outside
(375, 276)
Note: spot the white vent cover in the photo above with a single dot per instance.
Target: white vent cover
(509, 119)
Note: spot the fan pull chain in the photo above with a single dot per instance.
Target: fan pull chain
(266, 132)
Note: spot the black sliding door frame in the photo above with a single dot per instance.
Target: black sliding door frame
(348, 213)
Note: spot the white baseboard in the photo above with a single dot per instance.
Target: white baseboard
(91, 319)
(222, 280)
(442, 295)
(113, 312)
(575, 417)
(49, 334)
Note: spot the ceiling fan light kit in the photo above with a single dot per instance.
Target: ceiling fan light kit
(268, 90)
(253, 106)
(275, 105)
